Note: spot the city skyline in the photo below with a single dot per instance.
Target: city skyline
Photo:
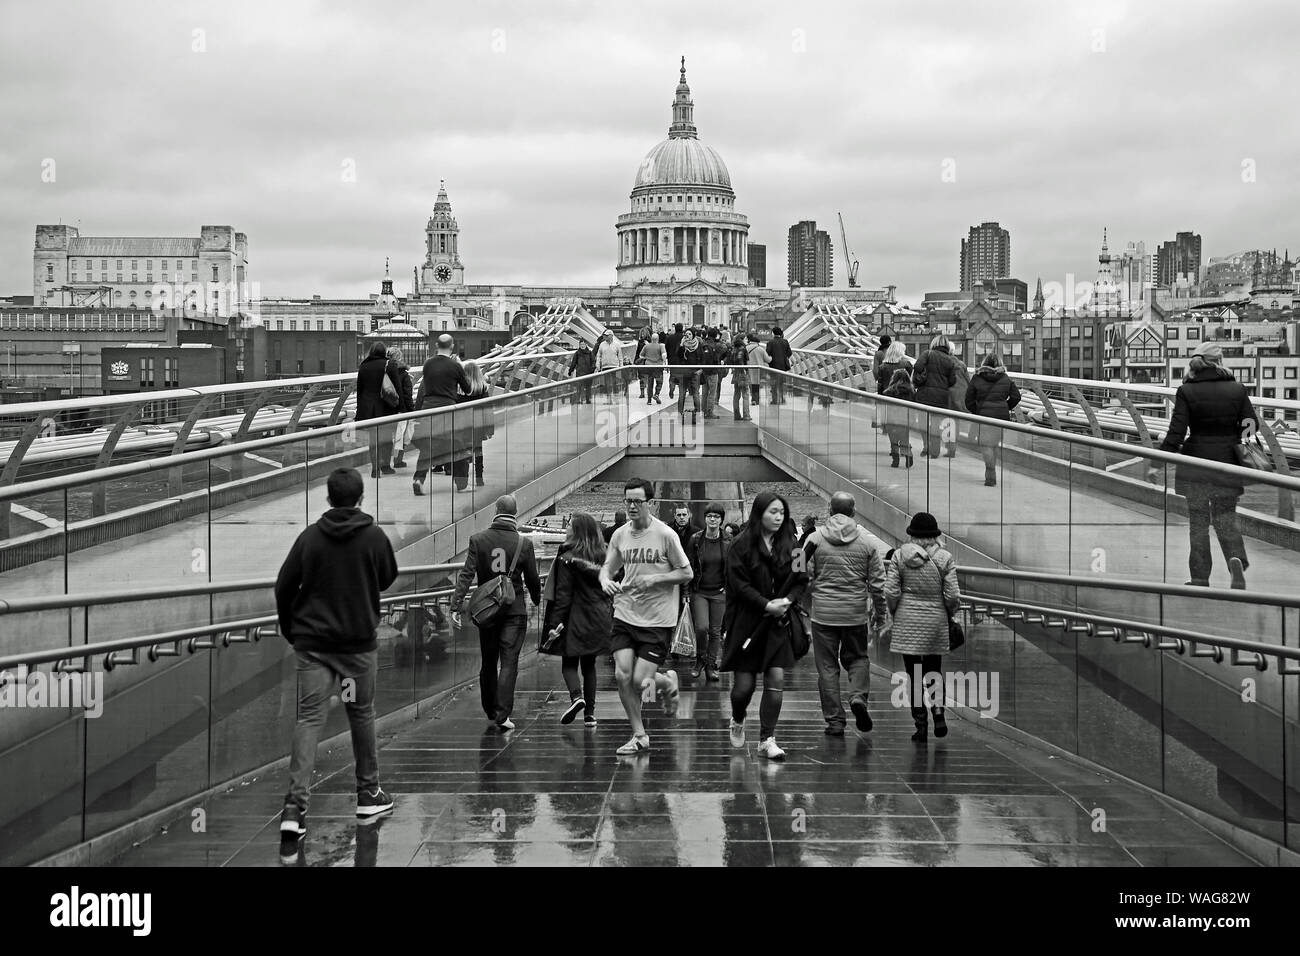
(248, 123)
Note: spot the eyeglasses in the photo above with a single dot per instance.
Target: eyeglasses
(634, 501)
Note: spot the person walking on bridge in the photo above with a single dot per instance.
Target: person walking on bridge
(371, 404)
(846, 572)
(758, 359)
(922, 595)
(500, 550)
(583, 363)
(653, 359)
(1216, 409)
(609, 357)
(405, 431)
(580, 616)
(898, 419)
(763, 583)
(933, 375)
(327, 603)
(442, 384)
(646, 605)
(778, 350)
(992, 394)
(707, 552)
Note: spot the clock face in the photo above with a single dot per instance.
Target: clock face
(442, 273)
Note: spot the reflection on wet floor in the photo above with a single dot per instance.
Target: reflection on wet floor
(546, 794)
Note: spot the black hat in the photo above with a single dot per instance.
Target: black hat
(923, 526)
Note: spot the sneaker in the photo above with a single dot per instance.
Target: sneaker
(373, 802)
(770, 750)
(711, 674)
(834, 730)
(861, 715)
(1238, 574)
(293, 827)
(635, 746)
(589, 722)
(417, 487)
(505, 725)
(737, 733)
(387, 470)
(575, 705)
(696, 668)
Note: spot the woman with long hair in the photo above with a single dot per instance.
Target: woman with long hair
(763, 582)
(922, 594)
(898, 420)
(370, 404)
(933, 375)
(478, 388)
(582, 614)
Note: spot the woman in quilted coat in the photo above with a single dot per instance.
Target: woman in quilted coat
(921, 591)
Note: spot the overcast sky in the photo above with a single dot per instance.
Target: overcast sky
(1055, 119)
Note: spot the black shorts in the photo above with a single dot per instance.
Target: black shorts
(650, 643)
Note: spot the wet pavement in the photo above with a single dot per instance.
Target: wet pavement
(546, 794)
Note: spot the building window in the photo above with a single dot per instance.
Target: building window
(299, 366)
(148, 264)
(195, 265)
(1171, 332)
(1289, 394)
(146, 373)
(49, 272)
(148, 277)
(334, 325)
(103, 263)
(1087, 352)
(119, 263)
(293, 325)
(1193, 334)
(347, 325)
(1289, 372)
(74, 277)
(214, 273)
(171, 373)
(103, 277)
(164, 265)
(1270, 373)
(320, 325)
(1074, 331)
(194, 277)
(1087, 331)
(322, 366)
(1270, 392)
(1176, 371)
(119, 277)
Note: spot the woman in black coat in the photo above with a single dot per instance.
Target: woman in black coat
(582, 611)
(991, 393)
(762, 585)
(933, 375)
(371, 404)
(1217, 410)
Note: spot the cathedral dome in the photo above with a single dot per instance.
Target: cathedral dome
(683, 162)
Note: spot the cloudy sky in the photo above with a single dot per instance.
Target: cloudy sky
(1055, 119)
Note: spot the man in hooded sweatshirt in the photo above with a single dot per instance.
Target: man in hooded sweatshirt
(846, 565)
(327, 600)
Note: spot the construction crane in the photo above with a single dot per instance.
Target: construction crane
(850, 262)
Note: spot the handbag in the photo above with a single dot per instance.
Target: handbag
(549, 633)
(684, 633)
(1255, 456)
(956, 636)
(389, 391)
(796, 621)
(491, 598)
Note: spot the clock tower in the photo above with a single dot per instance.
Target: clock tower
(442, 267)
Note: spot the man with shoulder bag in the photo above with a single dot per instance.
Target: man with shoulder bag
(503, 562)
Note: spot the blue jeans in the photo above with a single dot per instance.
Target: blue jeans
(320, 677)
(707, 608)
(834, 646)
(500, 644)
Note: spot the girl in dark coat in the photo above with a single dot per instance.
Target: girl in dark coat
(991, 393)
(1217, 410)
(370, 404)
(482, 427)
(584, 613)
(762, 584)
(934, 374)
(897, 419)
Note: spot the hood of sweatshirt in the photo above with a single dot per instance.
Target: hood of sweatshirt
(343, 523)
(913, 555)
(840, 529)
(991, 373)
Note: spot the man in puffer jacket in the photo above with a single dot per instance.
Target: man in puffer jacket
(847, 568)
(933, 375)
(991, 393)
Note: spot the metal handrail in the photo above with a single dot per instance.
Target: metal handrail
(1165, 392)
(1129, 450)
(91, 598)
(1258, 598)
(63, 482)
(1126, 631)
(64, 658)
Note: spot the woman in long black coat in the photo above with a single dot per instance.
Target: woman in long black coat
(763, 584)
(370, 404)
(585, 612)
(933, 375)
(1217, 410)
(992, 394)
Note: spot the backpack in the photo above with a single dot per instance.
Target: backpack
(388, 390)
(739, 355)
(492, 598)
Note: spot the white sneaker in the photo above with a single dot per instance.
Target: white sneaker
(770, 750)
(737, 732)
(506, 725)
(634, 746)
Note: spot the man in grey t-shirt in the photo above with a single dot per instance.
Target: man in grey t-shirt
(646, 606)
